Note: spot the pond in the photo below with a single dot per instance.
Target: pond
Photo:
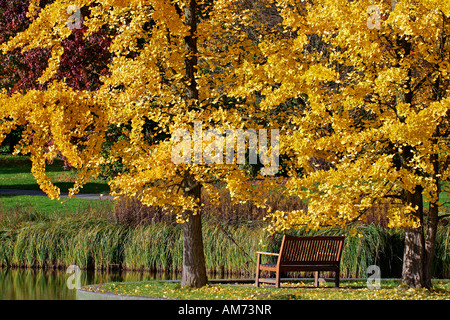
(37, 284)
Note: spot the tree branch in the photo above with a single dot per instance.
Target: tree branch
(443, 216)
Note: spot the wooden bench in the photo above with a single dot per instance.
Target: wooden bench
(321, 253)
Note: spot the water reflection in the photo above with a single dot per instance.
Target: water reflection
(38, 284)
(32, 284)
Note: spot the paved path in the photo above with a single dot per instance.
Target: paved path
(63, 194)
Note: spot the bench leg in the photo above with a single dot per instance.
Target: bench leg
(257, 279)
(336, 278)
(258, 261)
(316, 279)
(277, 279)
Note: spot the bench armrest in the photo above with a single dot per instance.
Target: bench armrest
(268, 253)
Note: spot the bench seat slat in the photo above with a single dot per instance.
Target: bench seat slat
(309, 268)
(267, 266)
(268, 253)
(300, 267)
(268, 280)
(309, 263)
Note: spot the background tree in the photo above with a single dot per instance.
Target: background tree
(377, 112)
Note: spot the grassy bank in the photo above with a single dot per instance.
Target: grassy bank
(48, 207)
(94, 237)
(349, 290)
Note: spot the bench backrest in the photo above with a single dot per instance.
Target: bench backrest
(311, 250)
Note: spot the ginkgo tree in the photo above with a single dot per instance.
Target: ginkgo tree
(376, 79)
(173, 65)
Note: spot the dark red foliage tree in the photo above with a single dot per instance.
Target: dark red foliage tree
(83, 62)
(19, 71)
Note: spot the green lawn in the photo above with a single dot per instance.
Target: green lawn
(15, 173)
(44, 205)
(349, 290)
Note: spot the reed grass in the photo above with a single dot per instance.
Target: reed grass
(441, 267)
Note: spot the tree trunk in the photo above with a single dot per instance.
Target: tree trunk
(413, 273)
(432, 220)
(191, 60)
(413, 268)
(419, 247)
(194, 267)
(419, 253)
(433, 213)
(430, 244)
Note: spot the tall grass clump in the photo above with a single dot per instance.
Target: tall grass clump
(441, 266)
(6, 247)
(231, 249)
(47, 244)
(153, 247)
(160, 248)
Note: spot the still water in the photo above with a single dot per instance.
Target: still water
(32, 284)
